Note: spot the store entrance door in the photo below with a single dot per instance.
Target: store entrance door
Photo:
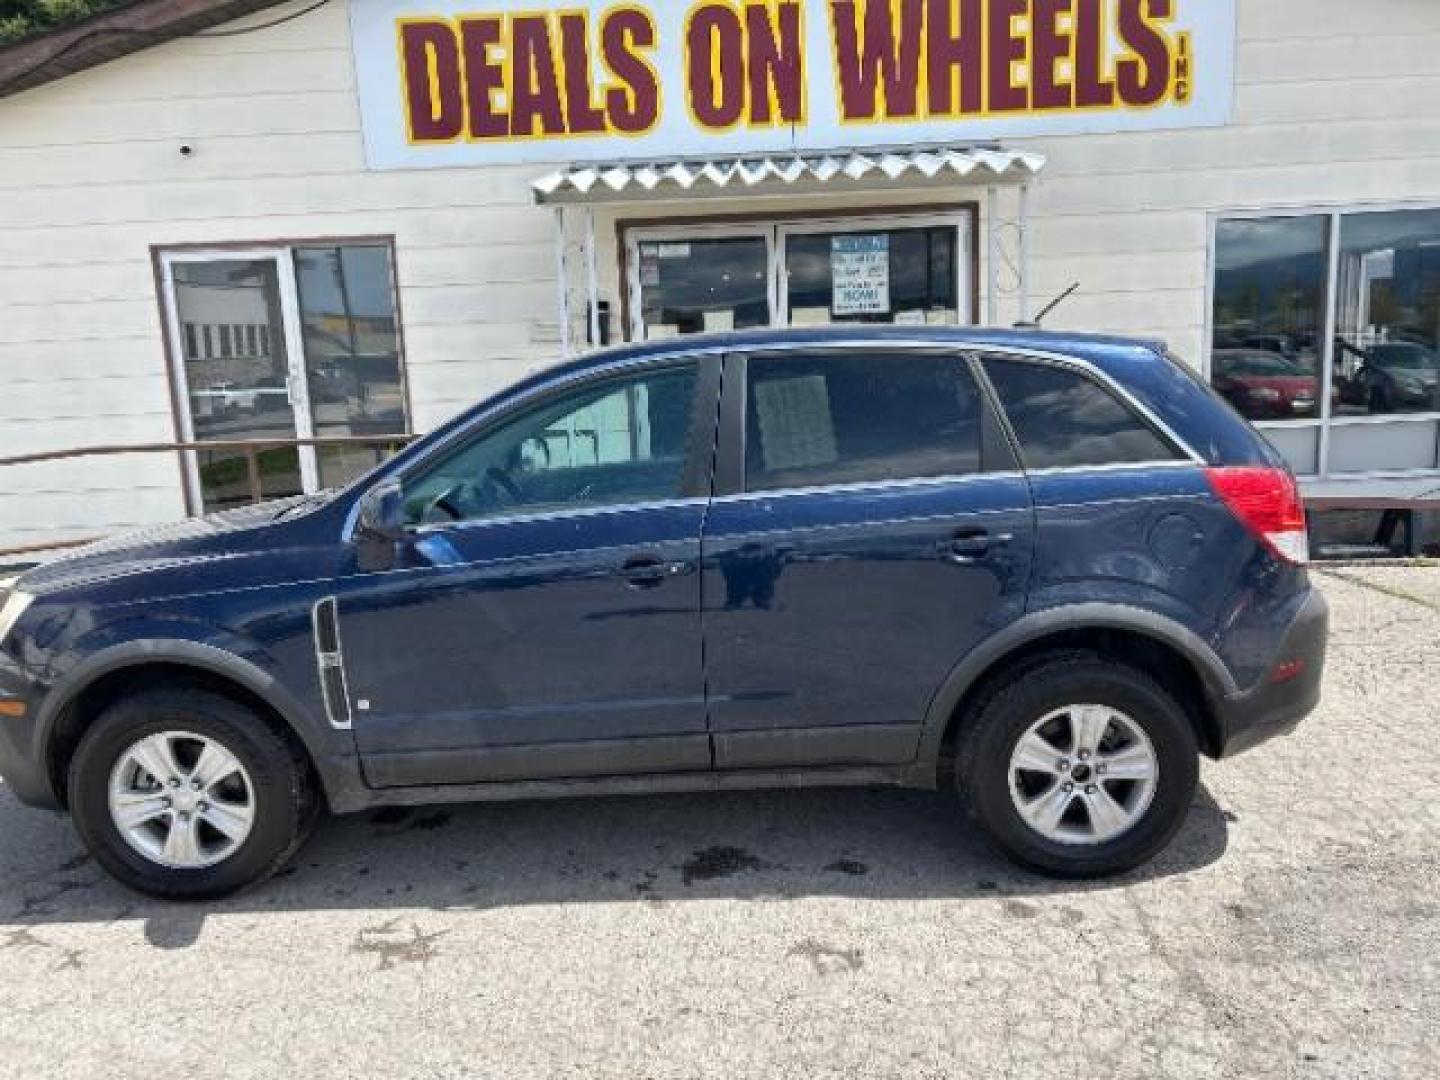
(280, 344)
(233, 321)
(689, 278)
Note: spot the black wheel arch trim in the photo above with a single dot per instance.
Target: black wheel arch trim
(1219, 684)
(331, 753)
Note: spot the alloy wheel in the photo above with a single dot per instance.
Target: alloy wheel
(182, 800)
(1083, 774)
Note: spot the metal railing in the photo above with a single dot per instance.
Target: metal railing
(250, 449)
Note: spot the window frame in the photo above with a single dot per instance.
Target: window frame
(775, 227)
(697, 473)
(164, 256)
(1326, 422)
(736, 429)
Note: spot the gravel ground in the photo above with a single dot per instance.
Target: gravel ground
(1293, 930)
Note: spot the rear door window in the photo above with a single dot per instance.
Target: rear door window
(1064, 420)
(824, 419)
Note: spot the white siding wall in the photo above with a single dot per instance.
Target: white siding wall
(91, 176)
(1335, 104)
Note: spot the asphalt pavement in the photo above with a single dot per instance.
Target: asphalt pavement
(1293, 930)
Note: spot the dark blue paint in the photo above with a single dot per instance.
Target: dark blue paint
(526, 633)
(850, 608)
(790, 615)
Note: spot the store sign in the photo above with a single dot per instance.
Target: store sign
(474, 82)
(860, 269)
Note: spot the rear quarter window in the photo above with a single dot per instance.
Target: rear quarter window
(1064, 420)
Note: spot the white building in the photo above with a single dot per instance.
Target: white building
(280, 225)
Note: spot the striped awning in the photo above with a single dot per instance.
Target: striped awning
(625, 181)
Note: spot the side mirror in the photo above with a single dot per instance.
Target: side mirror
(379, 526)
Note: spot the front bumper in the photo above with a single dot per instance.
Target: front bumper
(23, 766)
(1246, 720)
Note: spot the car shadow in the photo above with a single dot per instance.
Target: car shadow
(656, 849)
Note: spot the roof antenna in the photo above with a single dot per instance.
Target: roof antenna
(1034, 324)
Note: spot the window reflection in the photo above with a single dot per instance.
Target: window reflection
(920, 275)
(352, 351)
(1388, 313)
(236, 394)
(1269, 315)
(854, 419)
(625, 441)
(693, 286)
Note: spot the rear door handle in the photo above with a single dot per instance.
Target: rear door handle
(647, 571)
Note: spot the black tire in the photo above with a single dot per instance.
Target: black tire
(1004, 715)
(285, 804)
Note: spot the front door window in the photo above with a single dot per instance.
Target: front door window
(624, 441)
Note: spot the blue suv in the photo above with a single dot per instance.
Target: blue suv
(1045, 571)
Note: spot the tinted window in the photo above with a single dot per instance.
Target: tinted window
(1064, 420)
(621, 441)
(815, 420)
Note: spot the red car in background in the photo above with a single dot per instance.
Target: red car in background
(1265, 385)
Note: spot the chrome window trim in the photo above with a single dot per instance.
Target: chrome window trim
(555, 515)
(861, 486)
(1117, 467)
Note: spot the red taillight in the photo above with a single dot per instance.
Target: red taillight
(1267, 501)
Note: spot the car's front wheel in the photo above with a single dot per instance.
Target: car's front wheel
(1079, 766)
(186, 795)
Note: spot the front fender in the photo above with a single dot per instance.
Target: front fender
(1218, 682)
(228, 657)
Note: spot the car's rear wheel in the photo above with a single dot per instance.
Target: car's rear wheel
(1079, 766)
(187, 795)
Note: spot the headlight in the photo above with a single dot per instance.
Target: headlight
(15, 604)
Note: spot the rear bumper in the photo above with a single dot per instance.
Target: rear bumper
(1272, 709)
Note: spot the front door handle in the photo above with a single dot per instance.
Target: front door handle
(971, 545)
(648, 571)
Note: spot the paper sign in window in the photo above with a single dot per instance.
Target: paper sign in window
(860, 271)
(796, 428)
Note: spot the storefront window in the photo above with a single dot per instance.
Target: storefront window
(1272, 284)
(690, 286)
(905, 276)
(1270, 315)
(352, 351)
(1388, 313)
(905, 269)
